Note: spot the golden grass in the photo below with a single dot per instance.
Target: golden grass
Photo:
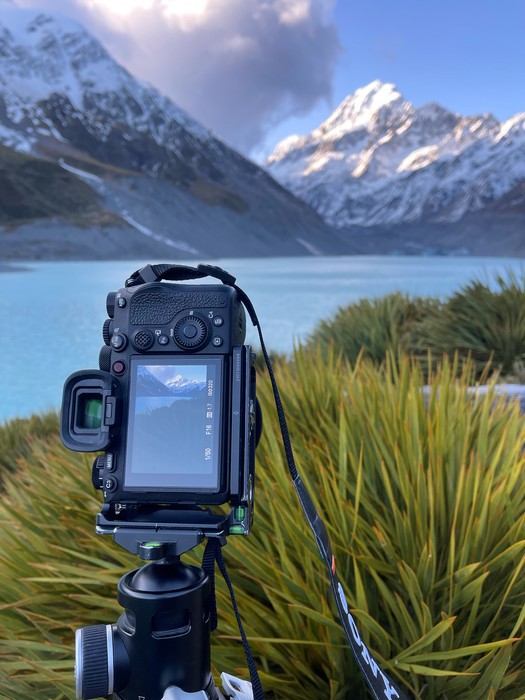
(424, 501)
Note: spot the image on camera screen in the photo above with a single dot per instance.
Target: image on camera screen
(173, 428)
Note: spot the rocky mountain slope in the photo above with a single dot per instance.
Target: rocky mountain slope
(161, 182)
(378, 161)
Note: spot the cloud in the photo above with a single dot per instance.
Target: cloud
(238, 66)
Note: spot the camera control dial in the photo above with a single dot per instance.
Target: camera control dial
(107, 330)
(110, 303)
(190, 332)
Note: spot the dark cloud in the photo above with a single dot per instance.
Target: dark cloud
(240, 67)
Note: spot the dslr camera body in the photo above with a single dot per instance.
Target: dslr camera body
(173, 410)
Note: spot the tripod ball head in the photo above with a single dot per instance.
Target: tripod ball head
(162, 639)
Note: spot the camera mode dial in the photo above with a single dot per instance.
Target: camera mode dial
(107, 330)
(190, 332)
(110, 303)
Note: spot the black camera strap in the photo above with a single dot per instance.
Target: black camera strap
(212, 554)
(379, 683)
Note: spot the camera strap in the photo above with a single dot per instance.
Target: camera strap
(212, 554)
(379, 683)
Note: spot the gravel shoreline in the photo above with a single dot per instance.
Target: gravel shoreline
(4, 267)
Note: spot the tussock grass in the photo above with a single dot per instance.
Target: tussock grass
(424, 501)
(483, 323)
(18, 436)
(373, 328)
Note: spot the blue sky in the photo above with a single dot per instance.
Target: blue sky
(468, 56)
(255, 71)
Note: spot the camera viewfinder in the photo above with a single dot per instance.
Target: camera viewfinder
(89, 411)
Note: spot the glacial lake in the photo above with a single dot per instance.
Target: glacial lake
(51, 314)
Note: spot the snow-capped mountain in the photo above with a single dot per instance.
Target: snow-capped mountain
(165, 179)
(378, 160)
(150, 385)
(57, 80)
(182, 385)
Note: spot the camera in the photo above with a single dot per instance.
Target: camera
(173, 410)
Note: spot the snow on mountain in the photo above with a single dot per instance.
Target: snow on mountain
(16, 140)
(378, 160)
(150, 385)
(169, 182)
(49, 58)
(182, 385)
(376, 103)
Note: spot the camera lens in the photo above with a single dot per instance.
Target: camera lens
(90, 411)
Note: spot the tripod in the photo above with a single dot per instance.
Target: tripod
(159, 649)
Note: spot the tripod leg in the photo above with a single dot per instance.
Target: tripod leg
(235, 688)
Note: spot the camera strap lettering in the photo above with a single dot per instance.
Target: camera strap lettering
(379, 683)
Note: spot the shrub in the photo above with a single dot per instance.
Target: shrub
(372, 327)
(485, 324)
(477, 323)
(18, 435)
(421, 495)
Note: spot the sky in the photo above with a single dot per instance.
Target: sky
(256, 71)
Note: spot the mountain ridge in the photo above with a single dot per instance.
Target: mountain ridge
(64, 99)
(379, 161)
(129, 174)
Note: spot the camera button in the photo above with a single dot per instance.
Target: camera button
(118, 341)
(217, 341)
(119, 367)
(218, 321)
(110, 462)
(121, 303)
(163, 340)
(110, 483)
(109, 411)
(189, 330)
(96, 474)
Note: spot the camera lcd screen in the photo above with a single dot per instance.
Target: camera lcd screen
(173, 440)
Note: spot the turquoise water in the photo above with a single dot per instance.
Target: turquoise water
(51, 315)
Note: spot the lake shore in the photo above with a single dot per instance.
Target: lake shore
(7, 267)
(61, 307)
